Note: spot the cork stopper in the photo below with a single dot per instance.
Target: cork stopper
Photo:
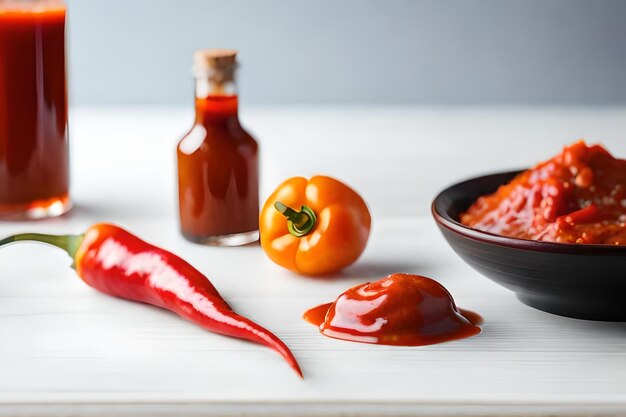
(217, 64)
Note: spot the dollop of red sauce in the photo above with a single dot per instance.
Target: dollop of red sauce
(579, 196)
(401, 309)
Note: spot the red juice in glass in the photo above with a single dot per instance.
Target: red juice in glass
(34, 161)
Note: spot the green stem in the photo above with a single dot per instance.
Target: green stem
(69, 243)
(299, 223)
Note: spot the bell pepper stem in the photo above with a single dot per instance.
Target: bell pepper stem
(299, 223)
(69, 243)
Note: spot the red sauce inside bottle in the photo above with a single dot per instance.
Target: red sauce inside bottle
(579, 196)
(401, 309)
(33, 110)
(217, 173)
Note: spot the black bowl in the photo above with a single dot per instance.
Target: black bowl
(581, 281)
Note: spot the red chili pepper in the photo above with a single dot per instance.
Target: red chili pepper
(117, 263)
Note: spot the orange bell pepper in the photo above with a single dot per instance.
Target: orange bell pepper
(328, 233)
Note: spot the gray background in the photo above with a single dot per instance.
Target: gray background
(354, 51)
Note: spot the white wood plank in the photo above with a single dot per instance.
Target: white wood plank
(66, 349)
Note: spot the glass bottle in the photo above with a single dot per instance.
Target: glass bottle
(34, 160)
(218, 180)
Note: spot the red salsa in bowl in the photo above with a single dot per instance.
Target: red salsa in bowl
(579, 196)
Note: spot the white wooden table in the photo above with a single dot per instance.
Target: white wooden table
(68, 350)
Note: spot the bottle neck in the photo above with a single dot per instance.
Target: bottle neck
(215, 102)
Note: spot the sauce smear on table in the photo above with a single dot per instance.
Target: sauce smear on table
(579, 196)
(401, 309)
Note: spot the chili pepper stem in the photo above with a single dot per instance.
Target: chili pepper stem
(300, 223)
(69, 243)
